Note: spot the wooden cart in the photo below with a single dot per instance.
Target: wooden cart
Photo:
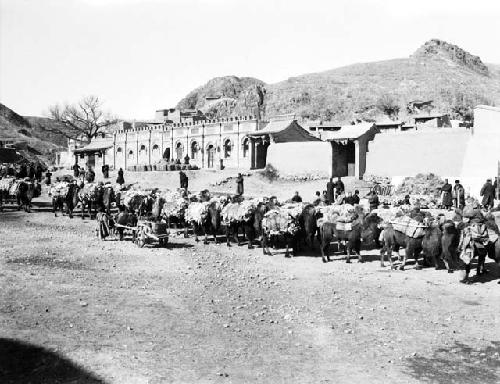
(149, 233)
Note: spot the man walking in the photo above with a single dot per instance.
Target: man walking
(459, 195)
(488, 193)
(183, 179)
(239, 185)
(76, 170)
(446, 190)
(330, 191)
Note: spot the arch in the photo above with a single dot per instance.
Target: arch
(143, 148)
(130, 154)
(227, 147)
(210, 155)
(155, 151)
(195, 149)
(119, 151)
(245, 146)
(179, 150)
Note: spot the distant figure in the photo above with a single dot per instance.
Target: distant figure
(296, 198)
(339, 187)
(103, 224)
(23, 172)
(183, 179)
(459, 195)
(324, 198)
(406, 200)
(355, 197)
(76, 170)
(373, 200)
(186, 160)
(48, 177)
(488, 193)
(120, 180)
(446, 190)
(105, 171)
(90, 175)
(348, 199)
(330, 191)
(39, 172)
(317, 198)
(31, 172)
(239, 185)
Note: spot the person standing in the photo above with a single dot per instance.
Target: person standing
(90, 175)
(488, 193)
(31, 172)
(296, 198)
(339, 187)
(330, 191)
(373, 200)
(120, 180)
(446, 191)
(459, 195)
(39, 172)
(355, 197)
(239, 185)
(48, 177)
(76, 170)
(183, 180)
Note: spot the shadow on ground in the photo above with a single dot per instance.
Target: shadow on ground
(26, 363)
(459, 364)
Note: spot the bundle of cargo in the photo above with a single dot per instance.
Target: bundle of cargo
(90, 191)
(237, 212)
(279, 221)
(408, 226)
(59, 189)
(6, 183)
(14, 187)
(196, 211)
(293, 209)
(328, 213)
(421, 184)
(175, 205)
(132, 194)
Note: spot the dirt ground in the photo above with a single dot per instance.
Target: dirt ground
(77, 310)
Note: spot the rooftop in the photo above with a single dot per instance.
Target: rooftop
(347, 132)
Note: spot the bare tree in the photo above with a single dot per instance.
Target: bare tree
(85, 118)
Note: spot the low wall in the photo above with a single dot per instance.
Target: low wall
(301, 159)
(440, 151)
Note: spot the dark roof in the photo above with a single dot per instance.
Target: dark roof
(285, 131)
(9, 155)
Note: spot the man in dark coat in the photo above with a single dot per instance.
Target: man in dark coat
(183, 179)
(23, 172)
(373, 200)
(39, 172)
(239, 185)
(488, 193)
(120, 180)
(355, 197)
(330, 191)
(459, 195)
(90, 175)
(339, 187)
(31, 172)
(446, 190)
(296, 198)
(76, 170)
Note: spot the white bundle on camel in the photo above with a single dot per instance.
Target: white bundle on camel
(175, 205)
(293, 209)
(129, 195)
(59, 189)
(279, 221)
(196, 211)
(236, 212)
(14, 187)
(409, 226)
(6, 183)
(89, 191)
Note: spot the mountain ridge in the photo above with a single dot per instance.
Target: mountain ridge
(453, 79)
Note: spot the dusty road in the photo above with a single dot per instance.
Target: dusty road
(76, 310)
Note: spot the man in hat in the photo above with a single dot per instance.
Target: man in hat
(330, 191)
(446, 190)
(488, 193)
(458, 195)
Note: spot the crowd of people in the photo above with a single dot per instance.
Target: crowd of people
(454, 196)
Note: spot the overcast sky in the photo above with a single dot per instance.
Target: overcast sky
(142, 55)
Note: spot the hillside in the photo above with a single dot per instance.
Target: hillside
(453, 79)
(37, 135)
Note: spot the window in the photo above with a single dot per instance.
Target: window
(130, 154)
(246, 146)
(228, 147)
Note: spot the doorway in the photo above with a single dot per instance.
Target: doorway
(210, 156)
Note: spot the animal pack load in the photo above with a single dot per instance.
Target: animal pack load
(408, 226)
(90, 191)
(14, 187)
(175, 205)
(6, 184)
(237, 212)
(59, 189)
(279, 221)
(196, 211)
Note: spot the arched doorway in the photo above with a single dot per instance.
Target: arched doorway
(210, 156)
(245, 146)
(166, 154)
(194, 150)
(179, 151)
(228, 147)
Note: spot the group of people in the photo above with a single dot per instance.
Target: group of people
(454, 196)
(33, 171)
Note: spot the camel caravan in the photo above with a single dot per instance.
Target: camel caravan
(424, 231)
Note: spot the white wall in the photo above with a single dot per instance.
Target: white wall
(299, 159)
(483, 149)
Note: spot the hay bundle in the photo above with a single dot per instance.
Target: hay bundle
(175, 205)
(6, 183)
(196, 211)
(14, 187)
(59, 189)
(279, 221)
(408, 226)
(237, 212)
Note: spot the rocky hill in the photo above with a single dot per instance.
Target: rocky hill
(37, 135)
(440, 76)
